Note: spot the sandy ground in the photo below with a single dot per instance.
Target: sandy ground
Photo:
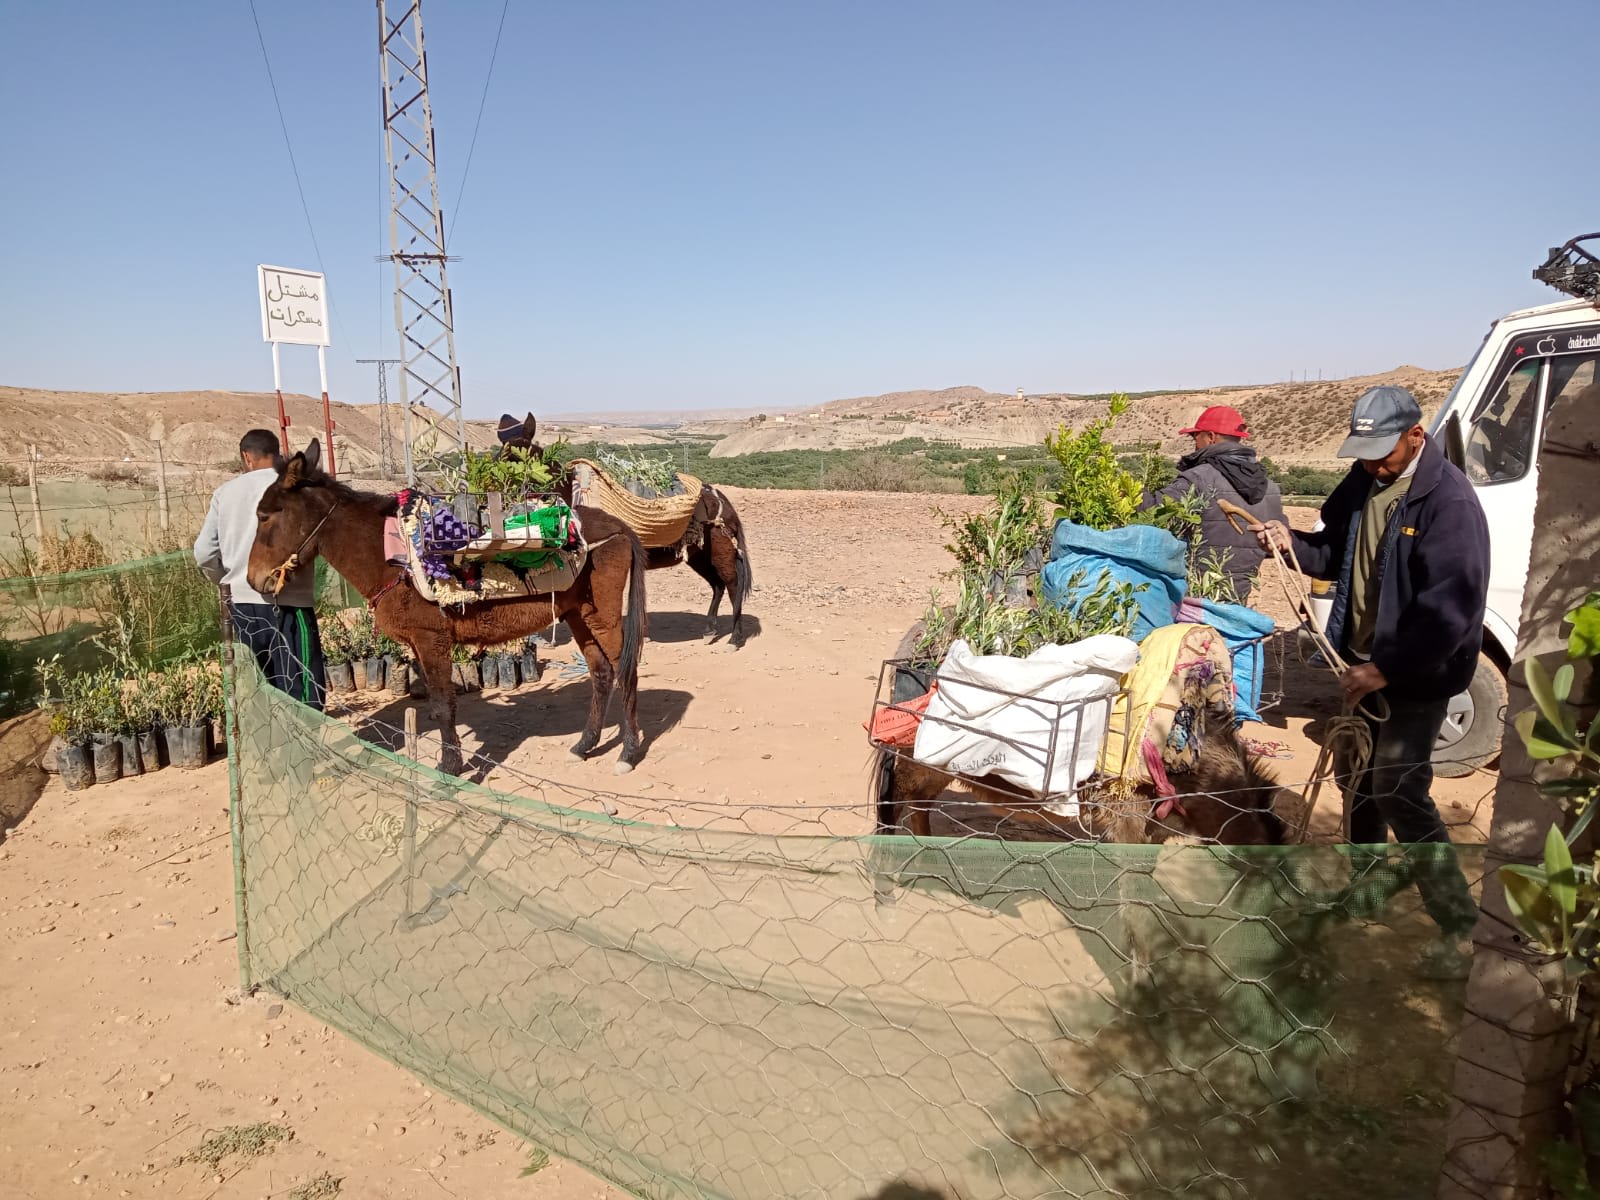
(125, 1038)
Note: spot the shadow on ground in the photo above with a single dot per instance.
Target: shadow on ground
(676, 627)
(502, 722)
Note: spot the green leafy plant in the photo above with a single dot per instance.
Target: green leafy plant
(515, 473)
(189, 691)
(997, 542)
(333, 632)
(388, 647)
(1209, 577)
(1095, 490)
(70, 699)
(990, 626)
(102, 703)
(1557, 901)
(658, 473)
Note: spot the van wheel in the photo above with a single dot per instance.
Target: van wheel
(1472, 724)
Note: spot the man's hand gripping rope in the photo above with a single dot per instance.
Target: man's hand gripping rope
(1359, 685)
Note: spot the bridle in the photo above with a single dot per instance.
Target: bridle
(279, 574)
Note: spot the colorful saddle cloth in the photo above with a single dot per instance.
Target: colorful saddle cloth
(453, 562)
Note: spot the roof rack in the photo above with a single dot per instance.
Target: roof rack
(1573, 269)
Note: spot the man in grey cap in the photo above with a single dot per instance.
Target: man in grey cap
(1405, 542)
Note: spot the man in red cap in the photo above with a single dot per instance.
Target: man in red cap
(1223, 467)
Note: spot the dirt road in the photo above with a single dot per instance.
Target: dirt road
(125, 1039)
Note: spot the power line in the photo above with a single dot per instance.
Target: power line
(483, 100)
(294, 166)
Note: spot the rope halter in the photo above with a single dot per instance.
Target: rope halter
(279, 575)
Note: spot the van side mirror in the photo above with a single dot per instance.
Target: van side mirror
(1455, 442)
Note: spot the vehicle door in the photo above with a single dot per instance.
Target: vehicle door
(1502, 437)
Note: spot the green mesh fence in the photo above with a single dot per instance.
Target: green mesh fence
(166, 605)
(718, 1014)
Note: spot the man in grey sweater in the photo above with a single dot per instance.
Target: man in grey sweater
(281, 633)
(1222, 467)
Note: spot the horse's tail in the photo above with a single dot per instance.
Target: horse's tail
(635, 622)
(882, 789)
(743, 578)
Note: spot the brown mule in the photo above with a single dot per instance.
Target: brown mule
(713, 546)
(1227, 798)
(305, 513)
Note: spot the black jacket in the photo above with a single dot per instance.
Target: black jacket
(1433, 565)
(1232, 473)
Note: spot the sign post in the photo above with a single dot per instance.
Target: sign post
(294, 311)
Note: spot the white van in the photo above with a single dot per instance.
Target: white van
(1492, 426)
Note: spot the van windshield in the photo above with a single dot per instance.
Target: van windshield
(1436, 429)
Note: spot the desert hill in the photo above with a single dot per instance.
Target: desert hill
(200, 430)
(1293, 422)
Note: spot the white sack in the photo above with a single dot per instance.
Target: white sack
(1090, 668)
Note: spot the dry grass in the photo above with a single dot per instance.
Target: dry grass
(248, 1141)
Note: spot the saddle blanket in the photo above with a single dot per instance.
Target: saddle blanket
(451, 561)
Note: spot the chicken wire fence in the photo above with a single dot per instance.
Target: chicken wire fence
(698, 1012)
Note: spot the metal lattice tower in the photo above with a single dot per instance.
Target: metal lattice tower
(386, 463)
(423, 314)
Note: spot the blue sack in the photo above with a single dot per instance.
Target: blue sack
(1135, 554)
(1243, 631)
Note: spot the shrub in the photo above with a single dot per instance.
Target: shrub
(1095, 491)
(67, 551)
(996, 542)
(875, 471)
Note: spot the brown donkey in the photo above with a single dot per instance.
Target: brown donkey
(713, 545)
(305, 514)
(1228, 799)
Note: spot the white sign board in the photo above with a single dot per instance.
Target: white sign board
(294, 306)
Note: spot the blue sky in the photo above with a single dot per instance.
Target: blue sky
(698, 204)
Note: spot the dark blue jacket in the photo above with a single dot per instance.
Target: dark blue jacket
(1434, 567)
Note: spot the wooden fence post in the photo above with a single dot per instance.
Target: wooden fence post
(33, 491)
(161, 486)
(409, 833)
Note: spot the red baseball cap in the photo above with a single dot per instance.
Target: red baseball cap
(1219, 418)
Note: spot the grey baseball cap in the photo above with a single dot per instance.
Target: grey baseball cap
(1380, 416)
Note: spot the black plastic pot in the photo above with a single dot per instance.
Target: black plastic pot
(374, 674)
(911, 682)
(472, 675)
(76, 766)
(341, 678)
(531, 669)
(107, 754)
(506, 668)
(150, 751)
(397, 675)
(130, 755)
(186, 745)
(358, 670)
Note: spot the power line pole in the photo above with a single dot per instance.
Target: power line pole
(423, 314)
(386, 464)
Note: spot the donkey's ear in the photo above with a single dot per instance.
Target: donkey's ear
(302, 464)
(510, 429)
(529, 427)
